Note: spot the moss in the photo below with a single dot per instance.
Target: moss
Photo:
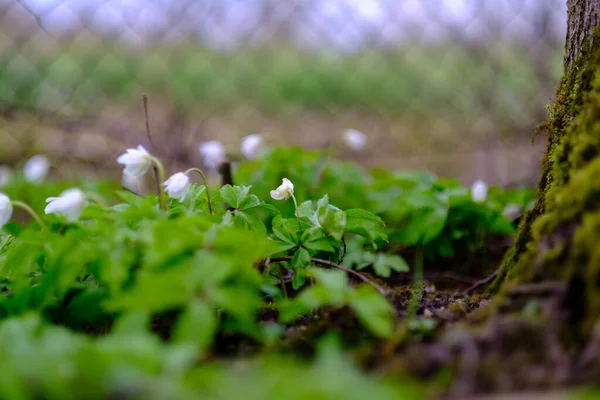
(557, 238)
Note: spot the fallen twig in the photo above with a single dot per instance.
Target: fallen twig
(334, 265)
(453, 276)
(479, 283)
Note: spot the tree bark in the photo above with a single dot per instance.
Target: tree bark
(559, 239)
(582, 19)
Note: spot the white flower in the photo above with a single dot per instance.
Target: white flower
(479, 191)
(355, 139)
(251, 145)
(136, 161)
(512, 211)
(6, 209)
(136, 184)
(36, 168)
(177, 185)
(284, 191)
(213, 153)
(69, 204)
(6, 175)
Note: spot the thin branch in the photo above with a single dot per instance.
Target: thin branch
(334, 265)
(145, 100)
(453, 276)
(480, 283)
(343, 252)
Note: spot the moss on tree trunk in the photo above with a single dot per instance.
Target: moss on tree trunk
(559, 239)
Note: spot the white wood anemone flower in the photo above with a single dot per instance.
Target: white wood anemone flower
(512, 211)
(36, 168)
(6, 209)
(177, 186)
(136, 184)
(479, 191)
(69, 204)
(136, 161)
(355, 139)
(213, 153)
(6, 175)
(252, 146)
(284, 191)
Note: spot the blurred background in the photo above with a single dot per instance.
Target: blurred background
(453, 86)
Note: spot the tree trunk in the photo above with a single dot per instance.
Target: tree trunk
(559, 239)
(583, 18)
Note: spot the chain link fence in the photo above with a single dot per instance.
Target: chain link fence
(454, 86)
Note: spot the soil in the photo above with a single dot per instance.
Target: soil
(474, 345)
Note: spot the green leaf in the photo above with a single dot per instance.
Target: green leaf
(227, 218)
(154, 292)
(277, 246)
(306, 209)
(299, 278)
(285, 230)
(324, 244)
(332, 288)
(357, 218)
(314, 239)
(323, 202)
(239, 301)
(132, 322)
(269, 208)
(240, 193)
(235, 196)
(246, 220)
(373, 310)
(300, 261)
(249, 202)
(229, 195)
(385, 263)
(195, 194)
(198, 324)
(501, 226)
(422, 226)
(365, 224)
(332, 221)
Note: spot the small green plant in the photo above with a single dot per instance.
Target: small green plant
(162, 279)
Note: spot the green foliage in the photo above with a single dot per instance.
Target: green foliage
(44, 361)
(383, 264)
(331, 288)
(162, 287)
(419, 209)
(386, 81)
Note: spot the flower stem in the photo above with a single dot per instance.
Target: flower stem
(160, 179)
(282, 281)
(417, 294)
(26, 207)
(297, 214)
(333, 265)
(199, 171)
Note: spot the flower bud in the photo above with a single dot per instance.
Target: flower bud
(69, 204)
(213, 153)
(36, 168)
(355, 139)
(252, 145)
(284, 191)
(177, 186)
(479, 191)
(6, 209)
(136, 161)
(6, 175)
